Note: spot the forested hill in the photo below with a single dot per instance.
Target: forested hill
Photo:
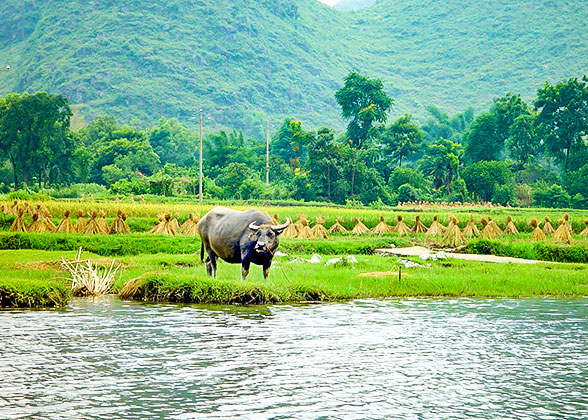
(245, 60)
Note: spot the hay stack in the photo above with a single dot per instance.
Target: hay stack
(81, 222)
(14, 208)
(319, 231)
(436, 228)
(304, 232)
(382, 227)
(584, 233)
(453, 235)
(45, 216)
(174, 222)
(510, 228)
(568, 224)
(6, 209)
(562, 233)
(471, 229)
(102, 222)
(488, 231)
(401, 228)
(18, 225)
(93, 227)
(547, 228)
(66, 226)
(418, 226)
(190, 226)
(537, 234)
(275, 219)
(299, 222)
(291, 231)
(164, 227)
(494, 226)
(359, 228)
(338, 227)
(120, 224)
(38, 225)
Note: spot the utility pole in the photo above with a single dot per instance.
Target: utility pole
(267, 153)
(200, 178)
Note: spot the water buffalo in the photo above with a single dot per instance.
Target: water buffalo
(239, 237)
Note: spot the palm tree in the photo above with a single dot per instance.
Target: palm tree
(442, 162)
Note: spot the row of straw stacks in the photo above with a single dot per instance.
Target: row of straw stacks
(171, 226)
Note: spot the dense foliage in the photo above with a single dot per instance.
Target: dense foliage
(505, 155)
(244, 61)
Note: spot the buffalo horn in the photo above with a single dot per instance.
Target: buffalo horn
(282, 226)
(253, 226)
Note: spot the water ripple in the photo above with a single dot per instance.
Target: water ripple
(409, 359)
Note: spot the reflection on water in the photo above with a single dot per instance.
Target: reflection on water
(409, 359)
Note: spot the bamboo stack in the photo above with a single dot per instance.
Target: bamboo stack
(18, 225)
(436, 228)
(66, 226)
(382, 227)
(401, 227)
(562, 233)
(319, 231)
(537, 234)
(359, 228)
(471, 229)
(510, 228)
(419, 227)
(487, 232)
(81, 222)
(338, 227)
(547, 227)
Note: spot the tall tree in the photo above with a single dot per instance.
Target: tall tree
(364, 103)
(507, 109)
(442, 162)
(34, 131)
(482, 139)
(402, 138)
(173, 143)
(563, 113)
(523, 141)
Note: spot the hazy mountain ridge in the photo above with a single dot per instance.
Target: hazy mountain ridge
(249, 60)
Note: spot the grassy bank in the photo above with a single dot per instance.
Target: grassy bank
(32, 279)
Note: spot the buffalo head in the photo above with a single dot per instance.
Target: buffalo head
(266, 236)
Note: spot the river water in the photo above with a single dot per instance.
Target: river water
(404, 359)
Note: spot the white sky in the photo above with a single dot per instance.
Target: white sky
(329, 2)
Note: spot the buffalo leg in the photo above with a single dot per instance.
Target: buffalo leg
(244, 269)
(213, 259)
(266, 269)
(211, 263)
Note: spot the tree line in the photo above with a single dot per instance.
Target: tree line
(515, 153)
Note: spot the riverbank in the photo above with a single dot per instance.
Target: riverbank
(34, 279)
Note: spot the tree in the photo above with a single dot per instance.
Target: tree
(173, 143)
(482, 139)
(507, 109)
(563, 113)
(402, 138)
(485, 178)
(523, 141)
(442, 162)
(290, 143)
(34, 132)
(324, 161)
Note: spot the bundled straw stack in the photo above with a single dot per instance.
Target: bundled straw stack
(547, 228)
(93, 227)
(275, 219)
(190, 226)
(584, 233)
(301, 221)
(510, 228)
(359, 228)
(487, 231)
(38, 225)
(44, 216)
(537, 234)
(14, 208)
(120, 224)
(436, 228)
(453, 235)
(164, 227)
(338, 227)
(419, 227)
(304, 231)
(290, 232)
(175, 223)
(319, 231)
(382, 227)
(18, 225)
(471, 229)
(562, 233)
(568, 224)
(66, 225)
(495, 227)
(102, 222)
(81, 222)
(401, 228)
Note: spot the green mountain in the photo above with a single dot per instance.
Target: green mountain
(353, 4)
(247, 60)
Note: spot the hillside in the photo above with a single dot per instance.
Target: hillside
(246, 60)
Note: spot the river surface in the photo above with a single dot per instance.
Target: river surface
(400, 359)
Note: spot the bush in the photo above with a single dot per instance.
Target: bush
(554, 196)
